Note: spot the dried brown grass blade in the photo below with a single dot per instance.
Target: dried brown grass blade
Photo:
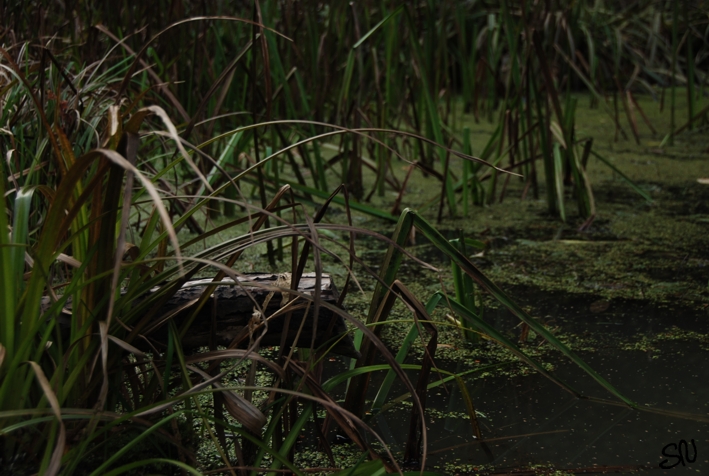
(56, 461)
(238, 407)
(162, 87)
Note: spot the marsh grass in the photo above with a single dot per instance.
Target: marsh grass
(404, 67)
(126, 126)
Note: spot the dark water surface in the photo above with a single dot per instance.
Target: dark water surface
(530, 420)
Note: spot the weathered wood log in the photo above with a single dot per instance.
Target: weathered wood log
(235, 307)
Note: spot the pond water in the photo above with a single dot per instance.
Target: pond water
(656, 355)
(530, 420)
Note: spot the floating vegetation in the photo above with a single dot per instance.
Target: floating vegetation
(147, 145)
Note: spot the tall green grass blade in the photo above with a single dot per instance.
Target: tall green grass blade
(20, 234)
(391, 263)
(401, 354)
(365, 468)
(690, 66)
(438, 383)
(146, 462)
(124, 450)
(292, 437)
(333, 382)
(467, 170)
(226, 155)
(8, 285)
(346, 82)
(377, 26)
(559, 181)
(547, 154)
(433, 116)
(586, 201)
(468, 267)
(463, 284)
(494, 334)
(673, 74)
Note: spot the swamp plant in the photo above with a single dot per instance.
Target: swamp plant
(113, 172)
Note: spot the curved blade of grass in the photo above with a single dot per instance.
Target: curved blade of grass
(292, 437)
(329, 405)
(627, 179)
(403, 351)
(361, 131)
(132, 443)
(239, 408)
(365, 468)
(242, 354)
(226, 154)
(140, 54)
(137, 464)
(172, 130)
(442, 381)
(53, 466)
(490, 331)
(377, 26)
(360, 207)
(468, 267)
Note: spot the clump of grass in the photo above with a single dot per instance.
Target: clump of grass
(99, 233)
(389, 66)
(152, 121)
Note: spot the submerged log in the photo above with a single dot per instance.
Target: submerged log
(235, 314)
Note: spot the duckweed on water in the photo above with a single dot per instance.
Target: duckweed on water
(457, 468)
(651, 344)
(632, 249)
